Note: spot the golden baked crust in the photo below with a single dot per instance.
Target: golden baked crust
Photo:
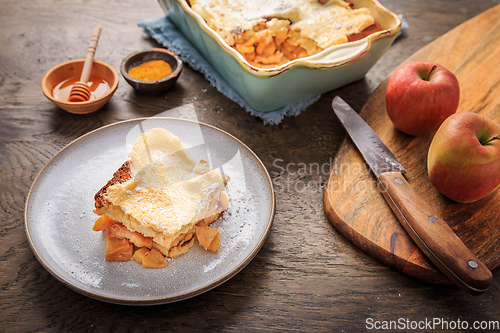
(120, 176)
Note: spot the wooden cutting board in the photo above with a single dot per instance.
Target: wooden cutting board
(358, 211)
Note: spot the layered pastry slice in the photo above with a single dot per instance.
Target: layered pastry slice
(159, 202)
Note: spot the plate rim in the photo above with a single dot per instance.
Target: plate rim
(153, 300)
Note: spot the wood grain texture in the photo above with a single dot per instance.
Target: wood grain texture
(433, 235)
(352, 201)
(307, 277)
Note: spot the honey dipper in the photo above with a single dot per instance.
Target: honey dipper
(80, 92)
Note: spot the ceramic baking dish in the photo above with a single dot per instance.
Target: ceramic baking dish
(270, 89)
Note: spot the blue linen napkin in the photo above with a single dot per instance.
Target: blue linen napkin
(167, 34)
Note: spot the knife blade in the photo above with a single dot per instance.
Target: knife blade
(429, 231)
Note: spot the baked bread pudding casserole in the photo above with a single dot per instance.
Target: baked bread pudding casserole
(159, 202)
(270, 33)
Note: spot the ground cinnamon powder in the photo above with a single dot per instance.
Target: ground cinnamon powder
(151, 70)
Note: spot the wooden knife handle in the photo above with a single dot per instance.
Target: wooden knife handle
(434, 236)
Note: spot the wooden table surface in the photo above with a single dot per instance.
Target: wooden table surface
(306, 277)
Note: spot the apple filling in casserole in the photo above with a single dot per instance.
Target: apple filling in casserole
(270, 33)
(159, 202)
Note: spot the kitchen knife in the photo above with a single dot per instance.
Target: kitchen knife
(431, 233)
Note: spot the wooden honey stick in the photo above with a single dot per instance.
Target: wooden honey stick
(80, 92)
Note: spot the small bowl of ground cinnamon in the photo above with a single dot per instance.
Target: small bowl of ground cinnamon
(152, 72)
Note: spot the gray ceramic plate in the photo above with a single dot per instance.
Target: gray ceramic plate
(59, 217)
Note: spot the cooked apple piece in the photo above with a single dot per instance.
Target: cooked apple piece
(249, 56)
(269, 49)
(154, 259)
(103, 223)
(140, 254)
(280, 36)
(202, 223)
(163, 250)
(183, 238)
(288, 47)
(206, 235)
(215, 245)
(187, 236)
(244, 48)
(174, 252)
(274, 59)
(118, 230)
(118, 249)
(223, 202)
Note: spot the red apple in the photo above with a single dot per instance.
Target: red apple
(463, 161)
(420, 96)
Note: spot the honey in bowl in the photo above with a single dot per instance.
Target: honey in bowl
(98, 87)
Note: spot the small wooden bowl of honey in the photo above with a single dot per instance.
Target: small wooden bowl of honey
(152, 72)
(57, 84)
